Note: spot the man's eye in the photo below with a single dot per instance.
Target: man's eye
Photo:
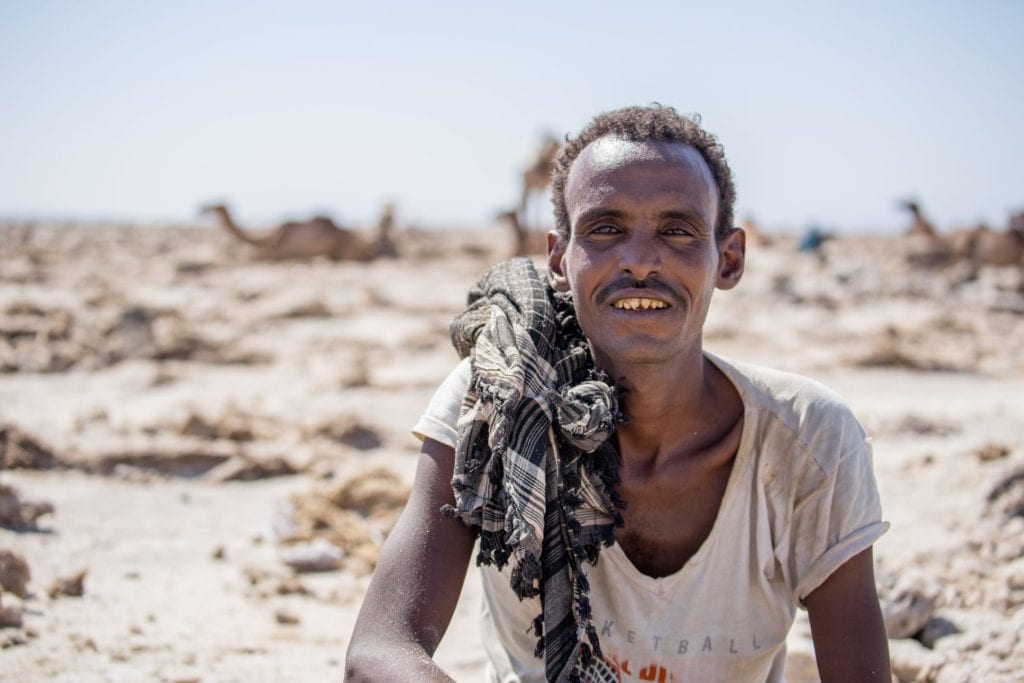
(679, 230)
(604, 229)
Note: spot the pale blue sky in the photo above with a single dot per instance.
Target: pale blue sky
(829, 112)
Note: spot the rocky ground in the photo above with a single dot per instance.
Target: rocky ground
(203, 452)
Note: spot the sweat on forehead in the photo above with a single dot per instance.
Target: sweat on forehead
(601, 159)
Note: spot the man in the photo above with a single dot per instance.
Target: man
(733, 494)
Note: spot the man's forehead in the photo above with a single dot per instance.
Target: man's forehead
(608, 154)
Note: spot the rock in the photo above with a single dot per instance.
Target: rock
(19, 514)
(72, 586)
(1015, 575)
(10, 615)
(1006, 498)
(282, 616)
(14, 573)
(291, 586)
(992, 451)
(911, 661)
(908, 603)
(318, 555)
(936, 628)
(21, 450)
(242, 468)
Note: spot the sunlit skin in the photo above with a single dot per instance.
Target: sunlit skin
(644, 213)
(642, 262)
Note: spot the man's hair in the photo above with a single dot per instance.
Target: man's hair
(656, 123)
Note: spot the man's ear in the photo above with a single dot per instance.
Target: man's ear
(732, 253)
(556, 252)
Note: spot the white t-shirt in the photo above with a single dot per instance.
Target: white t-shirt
(801, 500)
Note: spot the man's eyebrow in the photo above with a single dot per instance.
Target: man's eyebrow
(673, 214)
(683, 215)
(688, 216)
(597, 212)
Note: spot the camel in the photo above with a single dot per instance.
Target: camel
(293, 240)
(921, 225)
(384, 243)
(537, 174)
(979, 245)
(525, 241)
(984, 246)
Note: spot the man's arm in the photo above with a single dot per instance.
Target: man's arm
(417, 583)
(847, 626)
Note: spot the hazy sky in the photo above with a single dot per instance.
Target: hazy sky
(828, 112)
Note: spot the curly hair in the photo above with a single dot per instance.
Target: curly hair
(656, 123)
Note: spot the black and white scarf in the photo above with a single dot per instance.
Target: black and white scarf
(535, 470)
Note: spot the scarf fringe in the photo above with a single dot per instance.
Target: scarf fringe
(582, 405)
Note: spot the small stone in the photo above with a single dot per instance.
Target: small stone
(14, 573)
(285, 617)
(10, 616)
(992, 451)
(72, 586)
(317, 556)
(907, 606)
(911, 661)
(936, 628)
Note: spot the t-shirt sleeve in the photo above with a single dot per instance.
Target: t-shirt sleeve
(442, 415)
(841, 516)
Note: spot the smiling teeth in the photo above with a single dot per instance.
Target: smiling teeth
(638, 304)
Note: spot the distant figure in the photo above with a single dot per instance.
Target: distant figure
(921, 225)
(384, 242)
(293, 240)
(537, 174)
(812, 239)
(524, 241)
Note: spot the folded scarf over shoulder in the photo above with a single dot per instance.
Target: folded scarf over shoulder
(535, 470)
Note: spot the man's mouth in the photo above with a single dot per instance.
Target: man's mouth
(639, 304)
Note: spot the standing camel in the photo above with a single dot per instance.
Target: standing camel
(537, 173)
(984, 246)
(921, 225)
(318, 236)
(980, 245)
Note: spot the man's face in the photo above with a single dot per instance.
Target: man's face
(642, 260)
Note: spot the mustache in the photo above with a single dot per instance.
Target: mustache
(625, 282)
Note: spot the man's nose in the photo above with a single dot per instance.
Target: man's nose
(640, 257)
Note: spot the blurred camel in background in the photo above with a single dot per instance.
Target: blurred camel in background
(537, 173)
(984, 246)
(524, 242)
(921, 225)
(384, 243)
(318, 236)
(979, 245)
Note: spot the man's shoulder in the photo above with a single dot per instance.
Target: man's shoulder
(779, 388)
(804, 407)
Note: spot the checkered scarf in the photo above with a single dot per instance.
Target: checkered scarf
(535, 471)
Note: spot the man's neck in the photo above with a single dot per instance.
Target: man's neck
(674, 409)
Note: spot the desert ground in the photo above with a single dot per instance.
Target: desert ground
(203, 451)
